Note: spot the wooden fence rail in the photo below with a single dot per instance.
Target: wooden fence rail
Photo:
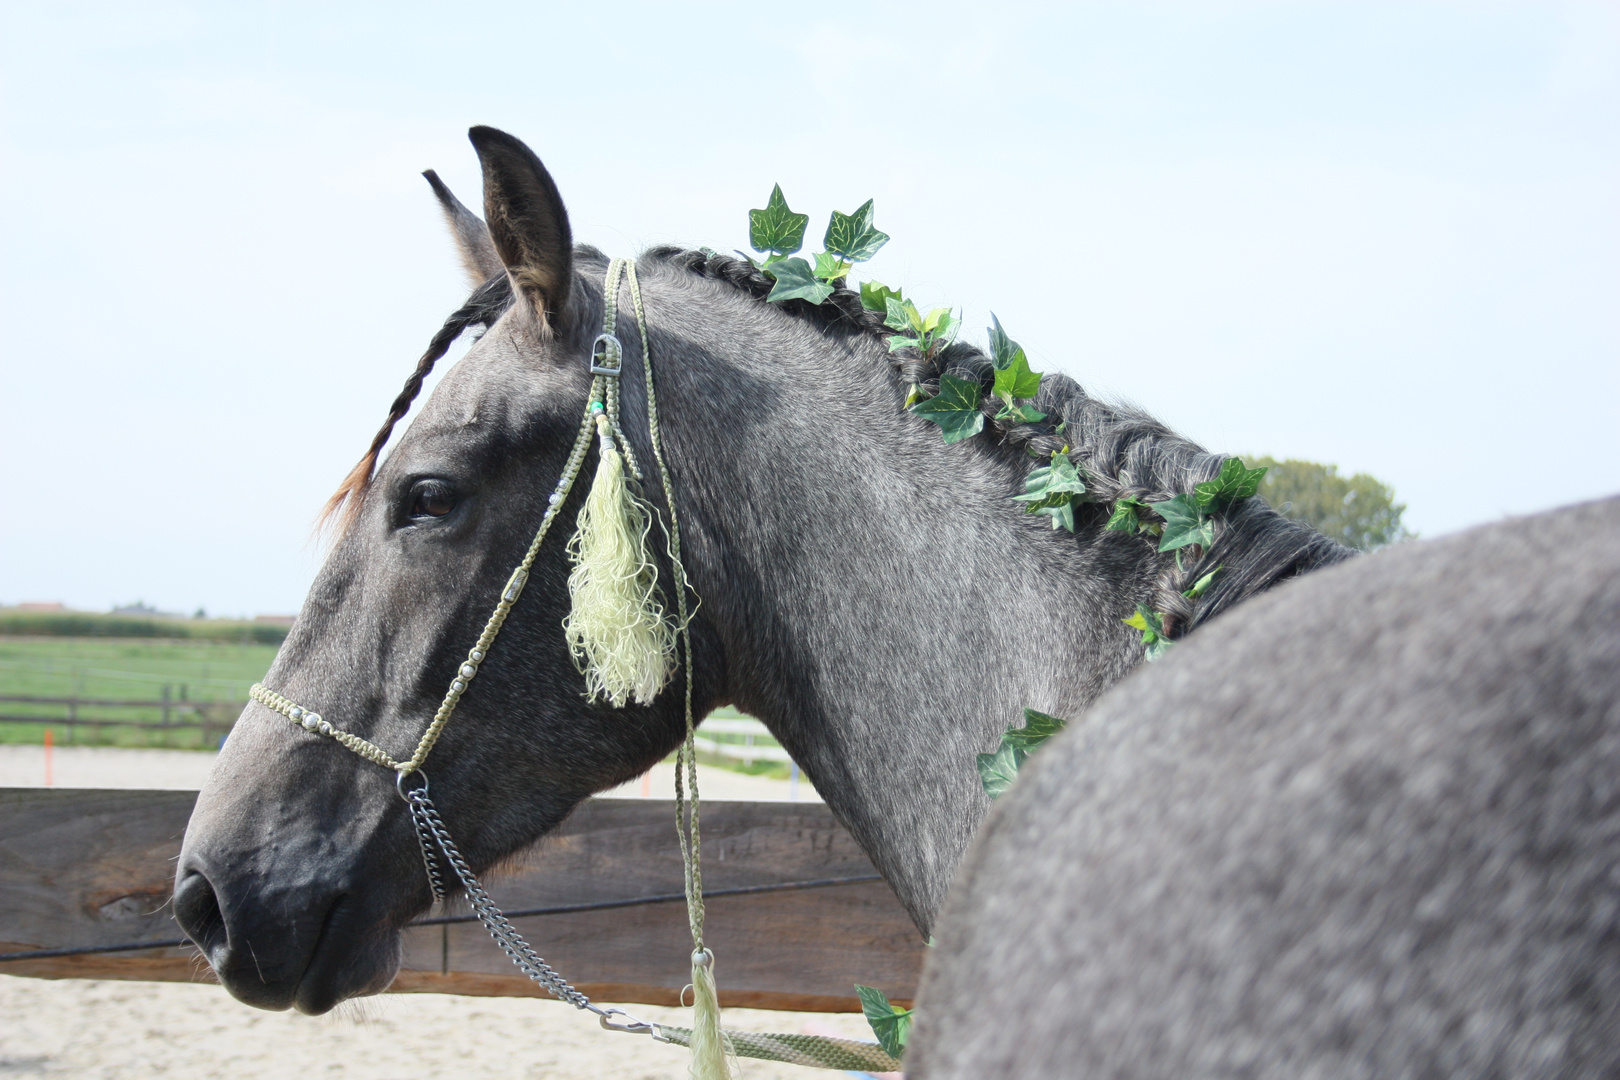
(82, 868)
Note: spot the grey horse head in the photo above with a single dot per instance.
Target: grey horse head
(299, 867)
(871, 594)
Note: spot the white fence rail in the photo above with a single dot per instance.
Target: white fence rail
(757, 744)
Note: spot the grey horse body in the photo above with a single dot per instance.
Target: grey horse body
(872, 594)
(1367, 826)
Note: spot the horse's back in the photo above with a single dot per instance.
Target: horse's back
(1367, 825)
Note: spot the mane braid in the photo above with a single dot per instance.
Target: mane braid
(1123, 452)
(485, 305)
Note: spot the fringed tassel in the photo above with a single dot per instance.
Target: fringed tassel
(622, 640)
(711, 1050)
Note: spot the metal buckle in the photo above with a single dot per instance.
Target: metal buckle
(634, 1027)
(609, 348)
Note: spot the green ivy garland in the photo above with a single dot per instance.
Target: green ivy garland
(1053, 489)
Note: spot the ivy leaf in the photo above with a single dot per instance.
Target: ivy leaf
(1002, 347)
(830, 267)
(1024, 414)
(938, 329)
(913, 396)
(1015, 380)
(892, 1026)
(998, 770)
(776, 228)
(955, 408)
(1236, 481)
(939, 321)
(901, 342)
(1151, 624)
(875, 297)
(796, 281)
(1058, 506)
(852, 237)
(902, 315)
(1184, 524)
(1052, 490)
(1201, 586)
(1038, 727)
(1127, 516)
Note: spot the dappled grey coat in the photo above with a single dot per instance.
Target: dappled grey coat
(1366, 825)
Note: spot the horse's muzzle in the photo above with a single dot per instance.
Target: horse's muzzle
(277, 950)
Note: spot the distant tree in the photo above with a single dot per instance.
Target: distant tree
(1359, 511)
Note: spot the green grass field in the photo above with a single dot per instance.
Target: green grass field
(211, 674)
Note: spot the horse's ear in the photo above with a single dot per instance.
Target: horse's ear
(527, 222)
(477, 250)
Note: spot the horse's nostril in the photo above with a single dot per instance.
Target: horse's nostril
(196, 909)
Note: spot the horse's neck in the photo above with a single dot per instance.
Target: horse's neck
(886, 609)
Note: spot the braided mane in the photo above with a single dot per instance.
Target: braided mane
(1123, 452)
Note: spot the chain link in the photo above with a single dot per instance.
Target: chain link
(519, 951)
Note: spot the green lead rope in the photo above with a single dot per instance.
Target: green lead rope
(814, 1051)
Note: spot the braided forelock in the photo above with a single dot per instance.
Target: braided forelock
(483, 308)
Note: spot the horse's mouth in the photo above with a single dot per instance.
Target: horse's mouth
(354, 956)
(308, 963)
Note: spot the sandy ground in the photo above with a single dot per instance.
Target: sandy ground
(130, 1030)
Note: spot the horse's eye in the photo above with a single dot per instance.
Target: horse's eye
(432, 498)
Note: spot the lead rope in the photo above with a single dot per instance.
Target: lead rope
(711, 1046)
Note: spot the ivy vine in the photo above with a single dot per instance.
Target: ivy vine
(999, 768)
(1054, 489)
(892, 1026)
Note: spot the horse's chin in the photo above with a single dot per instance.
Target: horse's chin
(326, 983)
(347, 962)
(332, 979)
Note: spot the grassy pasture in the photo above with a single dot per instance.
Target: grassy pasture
(195, 671)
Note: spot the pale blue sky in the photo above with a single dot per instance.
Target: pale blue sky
(1382, 235)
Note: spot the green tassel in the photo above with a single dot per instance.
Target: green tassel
(711, 1050)
(620, 636)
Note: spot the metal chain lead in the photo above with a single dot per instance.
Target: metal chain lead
(521, 953)
(426, 838)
